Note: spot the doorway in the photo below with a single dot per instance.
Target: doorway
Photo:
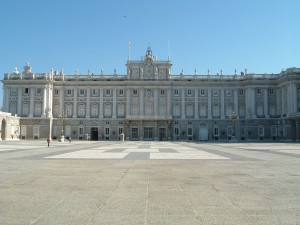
(94, 133)
(148, 133)
(162, 133)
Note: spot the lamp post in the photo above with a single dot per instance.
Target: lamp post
(62, 117)
(233, 119)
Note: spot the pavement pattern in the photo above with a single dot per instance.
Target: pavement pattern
(149, 183)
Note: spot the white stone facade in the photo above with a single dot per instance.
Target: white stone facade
(9, 127)
(149, 103)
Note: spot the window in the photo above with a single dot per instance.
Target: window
(13, 91)
(106, 122)
(121, 110)
(271, 91)
(81, 91)
(107, 92)
(190, 131)
(202, 92)
(38, 91)
(69, 92)
(135, 110)
(121, 92)
(261, 131)
(94, 92)
(216, 131)
(162, 92)
(107, 131)
(189, 91)
(56, 91)
(258, 91)
(26, 91)
(162, 110)
(176, 131)
(228, 92)
(94, 111)
(134, 132)
(229, 131)
(38, 109)
(69, 110)
(190, 111)
(176, 92)
(260, 110)
(241, 92)
(81, 111)
(80, 130)
(134, 91)
(215, 92)
(107, 110)
(25, 109)
(216, 111)
(229, 111)
(120, 130)
(203, 111)
(274, 131)
(176, 111)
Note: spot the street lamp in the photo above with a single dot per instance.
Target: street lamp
(233, 118)
(62, 117)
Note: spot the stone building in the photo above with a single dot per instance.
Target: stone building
(150, 103)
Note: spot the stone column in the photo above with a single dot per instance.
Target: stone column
(236, 102)
(156, 102)
(283, 100)
(31, 105)
(75, 103)
(183, 103)
(293, 97)
(128, 104)
(222, 104)
(61, 101)
(278, 106)
(209, 104)
(101, 103)
(169, 106)
(266, 103)
(114, 114)
(88, 103)
(44, 101)
(19, 110)
(196, 104)
(141, 102)
(253, 103)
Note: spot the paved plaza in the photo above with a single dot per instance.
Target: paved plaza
(143, 183)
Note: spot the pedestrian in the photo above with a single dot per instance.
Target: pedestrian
(70, 139)
(48, 141)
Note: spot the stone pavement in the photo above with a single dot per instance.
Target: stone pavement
(149, 183)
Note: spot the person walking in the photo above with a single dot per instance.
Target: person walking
(70, 139)
(48, 141)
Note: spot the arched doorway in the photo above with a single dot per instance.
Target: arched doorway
(3, 129)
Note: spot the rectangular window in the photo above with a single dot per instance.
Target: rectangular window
(190, 131)
(215, 92)
(134, 91)
(80, 130)
(69, 92)
(121, 92)
(38, 91)
(134, 132)
(258, 91)
(81, 91)
(13, 91)
(189, 92)
(107, 131)
(56, 91)
(229, 131)
(216, 131)
(107, 92)
(176, 131)
(271, 91)
(26, 91)
(202, 92)
(228, 93)
(162, 92)
(176, 92)
(261, 131)
(120, 130)
(94, 92)
(241, 92)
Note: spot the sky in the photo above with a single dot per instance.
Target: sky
(260, 35)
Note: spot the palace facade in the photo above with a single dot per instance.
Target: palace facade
(149, 103)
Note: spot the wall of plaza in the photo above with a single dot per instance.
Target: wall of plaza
(148, 103)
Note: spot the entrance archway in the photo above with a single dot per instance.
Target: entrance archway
(94, 133)
(3, 129)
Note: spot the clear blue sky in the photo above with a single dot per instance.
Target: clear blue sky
(260, 35)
